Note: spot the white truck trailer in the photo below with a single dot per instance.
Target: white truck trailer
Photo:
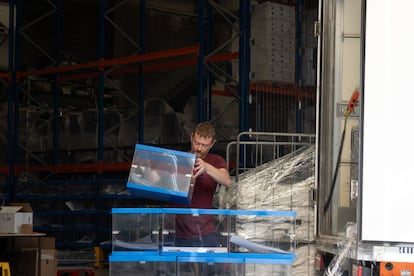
(364, 180)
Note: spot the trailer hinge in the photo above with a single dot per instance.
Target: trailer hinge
(317, 28)
(313, 194)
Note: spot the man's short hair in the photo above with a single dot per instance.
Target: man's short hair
(205, 130)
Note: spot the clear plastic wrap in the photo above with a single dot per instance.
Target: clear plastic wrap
(282, 184)
(345, 245)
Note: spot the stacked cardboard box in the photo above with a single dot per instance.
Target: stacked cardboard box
(273, 46)
(26, 261)
(16, 218)
(273, 31)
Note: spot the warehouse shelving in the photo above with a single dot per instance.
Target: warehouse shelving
(28, 171)
(34, 169)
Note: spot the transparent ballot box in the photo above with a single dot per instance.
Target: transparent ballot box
(184, 241)
(147, 264)
(186, 232)
(236, 266)
(162, 174)
(132, 230)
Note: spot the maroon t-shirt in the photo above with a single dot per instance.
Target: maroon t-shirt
(188, 226)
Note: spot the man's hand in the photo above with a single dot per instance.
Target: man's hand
(199, 167)
(220, 175)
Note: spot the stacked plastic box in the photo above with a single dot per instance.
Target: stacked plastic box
(172, 241)
(144, 242)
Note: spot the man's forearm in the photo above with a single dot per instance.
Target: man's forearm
(220, 175)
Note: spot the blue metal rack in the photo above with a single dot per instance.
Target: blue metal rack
(16, 86)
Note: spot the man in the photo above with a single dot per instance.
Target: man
(209, 171)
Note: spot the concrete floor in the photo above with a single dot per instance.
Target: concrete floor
(96, 271)
(102, 272)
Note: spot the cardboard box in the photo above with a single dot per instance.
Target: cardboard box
(16, 218)
(27, 262)
(19, 243)
(162, 174)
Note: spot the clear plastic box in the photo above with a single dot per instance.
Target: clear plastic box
(132, 263)
(162, 174)
(148, 241)
(182, 231)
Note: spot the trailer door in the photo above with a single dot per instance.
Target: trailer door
(387, 154)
